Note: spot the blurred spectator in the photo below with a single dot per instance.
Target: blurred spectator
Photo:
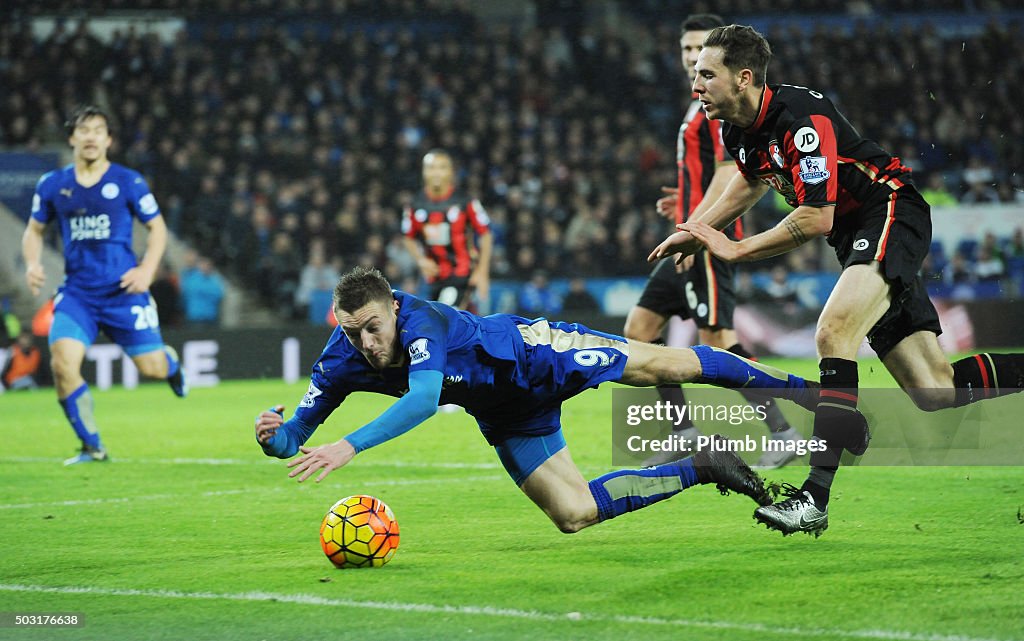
(202, 290)
(929, 272)
(536, 297)
(10, 326)
(936, 194)
(980, 180)
(316, 284)
(280, 274)
(166, 292)
(23, 363)
(990, 265)
(779, 289)
(1015, 246)
(958, 271)
(579, 300)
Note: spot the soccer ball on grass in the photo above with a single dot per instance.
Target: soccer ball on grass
(359, 532)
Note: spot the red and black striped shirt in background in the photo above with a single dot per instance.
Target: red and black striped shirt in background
(803, 148)
(699, 150)
(441, 226)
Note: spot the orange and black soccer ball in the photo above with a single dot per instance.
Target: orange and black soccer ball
(359, 532)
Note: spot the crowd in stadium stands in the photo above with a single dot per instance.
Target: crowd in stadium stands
(652, 9)
(258, 141)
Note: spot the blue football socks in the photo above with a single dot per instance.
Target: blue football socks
(626, 490)
(725, 369)
(78, 407)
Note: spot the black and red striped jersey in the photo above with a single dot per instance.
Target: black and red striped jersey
(441, 226)
(699, 150)
(805, 149)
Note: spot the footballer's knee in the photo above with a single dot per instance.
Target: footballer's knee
(152, 364)
(932, 399)
(832, 339)
(636, 331)
(63, 366)
(571, 522)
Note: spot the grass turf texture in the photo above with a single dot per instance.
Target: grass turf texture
(149, 547)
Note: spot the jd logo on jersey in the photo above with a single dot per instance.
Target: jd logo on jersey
(806, 139)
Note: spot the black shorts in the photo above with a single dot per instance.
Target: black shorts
(898, 234)
(705, 293)
(454, 291)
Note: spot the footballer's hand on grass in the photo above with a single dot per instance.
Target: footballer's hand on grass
(666, 205)
(136, 280)
(325, 458)
(716, 242)
(268, 422)
(35, 276)
(681, 242)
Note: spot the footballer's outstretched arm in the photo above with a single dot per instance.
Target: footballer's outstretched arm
(739, 196)
(801, 225)
(418, 404)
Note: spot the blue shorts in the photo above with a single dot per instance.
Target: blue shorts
(560, 361)
(130, 320)
(521, 455)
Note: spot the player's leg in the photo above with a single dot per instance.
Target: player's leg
(712, 302)
(131, 321)
(543, 468)
(664, 296)
(650, 365)
(922, 369)
(858, 301)
(72, 331)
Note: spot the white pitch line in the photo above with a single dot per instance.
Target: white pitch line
(492, 611)
(265, 461)
(162, 497)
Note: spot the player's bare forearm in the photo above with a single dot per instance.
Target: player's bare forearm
(736, 198)
(32, 253)
(156, 244)
(796, 229)
(724, 173)
(427, 266)
(486, 251)
(481, 276)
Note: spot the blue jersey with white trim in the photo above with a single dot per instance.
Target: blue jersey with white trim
(95, 223)
(478, 357)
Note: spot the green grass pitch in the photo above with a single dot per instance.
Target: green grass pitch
(191, 533)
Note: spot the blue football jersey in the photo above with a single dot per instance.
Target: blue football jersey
(95, 223)
(477, 355)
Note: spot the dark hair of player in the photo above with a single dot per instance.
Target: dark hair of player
(360, 286)
(84, 112)
(743, 48)
(701, 22)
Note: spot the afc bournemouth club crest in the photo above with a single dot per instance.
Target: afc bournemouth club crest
(773, 150)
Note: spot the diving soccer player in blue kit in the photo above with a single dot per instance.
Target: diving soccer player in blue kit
(96, 202)
(511, 374)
